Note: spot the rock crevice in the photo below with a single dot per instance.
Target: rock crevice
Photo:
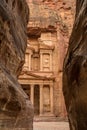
(75, 71)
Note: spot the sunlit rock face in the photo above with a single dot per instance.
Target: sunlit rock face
(75, 71)
(65, 9)
(15, 109)
(56, 17)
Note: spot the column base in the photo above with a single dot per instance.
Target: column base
(47, 115)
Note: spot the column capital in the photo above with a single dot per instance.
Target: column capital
(32, 84)
(41, 53)
(51, 84)
(41, 85)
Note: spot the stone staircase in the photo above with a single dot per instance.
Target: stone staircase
(49, 119)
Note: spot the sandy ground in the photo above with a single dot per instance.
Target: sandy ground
(51, 126)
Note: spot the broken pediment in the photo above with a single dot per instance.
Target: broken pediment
(42, 45)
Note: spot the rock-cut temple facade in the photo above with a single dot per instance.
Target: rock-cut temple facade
(41, 76)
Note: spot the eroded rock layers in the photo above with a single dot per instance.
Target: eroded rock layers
(75, 71)
(16, 111)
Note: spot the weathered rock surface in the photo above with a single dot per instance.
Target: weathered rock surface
(16, 112)
(75, 71)
(55, 16)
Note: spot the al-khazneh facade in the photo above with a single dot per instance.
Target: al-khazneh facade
(41, 77)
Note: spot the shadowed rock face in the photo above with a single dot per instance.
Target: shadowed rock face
(75, 71)
(15, 109)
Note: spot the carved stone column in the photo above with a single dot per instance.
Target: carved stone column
(26, 65)
(30, 61)
(32, 94)
(41, 61)
(41, 99)
(51, 61)
(51, 98)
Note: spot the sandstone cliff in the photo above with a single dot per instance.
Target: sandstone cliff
(15, 109)
(75, 71)
(55, 16)
(65, 11)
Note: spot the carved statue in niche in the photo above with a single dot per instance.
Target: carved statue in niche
(46, 62)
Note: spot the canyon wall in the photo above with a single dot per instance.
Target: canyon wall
(16, 112)
(75, 71)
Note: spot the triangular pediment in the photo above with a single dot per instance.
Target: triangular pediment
(29, 75)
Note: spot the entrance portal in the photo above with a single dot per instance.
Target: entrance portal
(36, 99)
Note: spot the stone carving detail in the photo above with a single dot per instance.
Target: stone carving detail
(46, 62)
(15, 109)
(75, 71)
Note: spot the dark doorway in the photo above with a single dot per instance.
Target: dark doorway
(36, 99)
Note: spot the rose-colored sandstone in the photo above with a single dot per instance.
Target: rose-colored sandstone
(75, 71)
(49, 28)
(16, 111)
